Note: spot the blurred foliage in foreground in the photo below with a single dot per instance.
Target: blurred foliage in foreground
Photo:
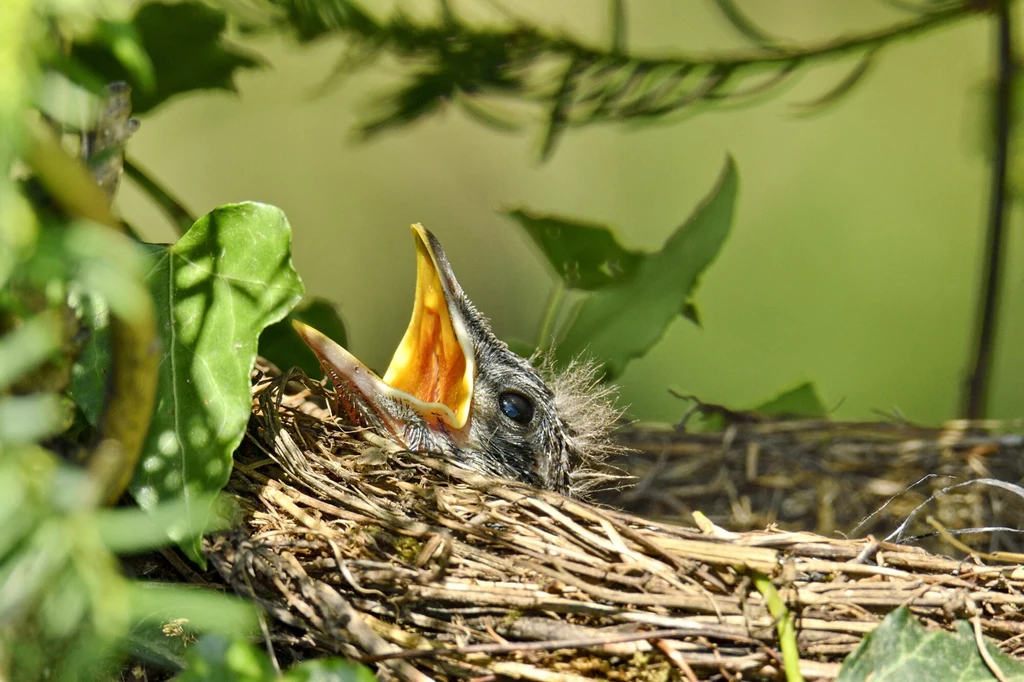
(126, 365)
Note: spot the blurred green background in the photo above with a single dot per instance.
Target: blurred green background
(853, 260)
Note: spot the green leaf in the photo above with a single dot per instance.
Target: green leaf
(70, 96)
(101, 264)
(31, 418)
(691, 312)
(747, 28)
(281, 345)
(203, 610)
(28, 346)
(20, 24)
(329, 670)
(217, 659)
(311, 21)
(585, 255)
(800, 401)
(130, 529)
(125, 45)
(184, 42)
(153, 647)
(90, 369)
(623, 321)
(901, 649)
(215, 291)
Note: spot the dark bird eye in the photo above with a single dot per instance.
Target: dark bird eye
(516, 407)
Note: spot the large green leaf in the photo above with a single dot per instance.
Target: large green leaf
(622, 322)
(584, 255)
(215, 290)
(901, 649)
(282, 346)
(185, 45)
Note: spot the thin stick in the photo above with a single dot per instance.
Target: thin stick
(986, 655)
(545, 645)
(677, 659)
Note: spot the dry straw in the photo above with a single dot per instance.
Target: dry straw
(426, 571)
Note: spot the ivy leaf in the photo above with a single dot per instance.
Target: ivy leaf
(621, 322)
(799, 401)
(585, 255)
(215, 291)
(184, 42)
(281, 345)
(901, 649)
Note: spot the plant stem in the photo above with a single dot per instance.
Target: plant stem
(172, 207)
(547, 323)
(783, 625)
(974, 401)
(744, 26)
(783, 54)
(617, 16)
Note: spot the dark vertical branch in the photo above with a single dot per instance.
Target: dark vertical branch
(617, 15)
(975, 397)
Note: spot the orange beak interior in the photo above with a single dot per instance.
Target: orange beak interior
(434, 362)
(433, 369)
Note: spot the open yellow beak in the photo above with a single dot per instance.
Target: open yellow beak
(431, 372)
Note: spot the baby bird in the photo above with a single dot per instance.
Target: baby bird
(453, 388)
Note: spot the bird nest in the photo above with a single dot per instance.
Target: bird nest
(427, 571)
(830, 477)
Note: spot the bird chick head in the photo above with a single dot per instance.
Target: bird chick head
(455, 389)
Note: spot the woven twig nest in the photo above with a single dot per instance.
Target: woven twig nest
(428, 571)
(830, 477)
